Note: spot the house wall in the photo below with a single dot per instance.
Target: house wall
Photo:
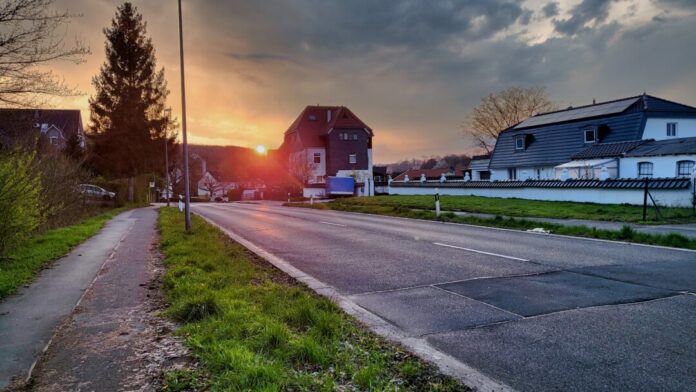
(319, 169)
(663, 166)
(338, 151)
(313, 192)
(672, 198)
(524, 173)
(656, 128)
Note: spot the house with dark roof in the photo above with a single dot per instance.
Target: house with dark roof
(588, 142)
(56, 125)
(330, 141)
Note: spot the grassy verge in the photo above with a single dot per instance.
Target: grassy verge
(625, 234)
(21, 265)
(529, 208)
(254, 328)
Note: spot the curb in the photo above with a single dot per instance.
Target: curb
(447, 364)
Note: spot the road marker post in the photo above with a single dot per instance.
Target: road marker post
(437, 202)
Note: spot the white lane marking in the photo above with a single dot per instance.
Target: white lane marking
(333, 224)
(479, 251)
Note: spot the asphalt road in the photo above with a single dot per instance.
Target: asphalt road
(535, 311)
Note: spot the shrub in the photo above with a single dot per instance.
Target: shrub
(20, 199)
(235, 194)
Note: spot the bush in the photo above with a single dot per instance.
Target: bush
(20, 199)
(61, 201)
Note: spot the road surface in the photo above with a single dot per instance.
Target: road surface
(534, 311)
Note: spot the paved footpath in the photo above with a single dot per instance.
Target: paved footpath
(95, 308)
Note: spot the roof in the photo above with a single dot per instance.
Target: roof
(479, 163)
(317, 121)
(607, 150)
(415, 174)
(680, 146)
(615, 183)
(553, 143)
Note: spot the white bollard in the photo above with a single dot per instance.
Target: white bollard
(437, 204)
(311, 199)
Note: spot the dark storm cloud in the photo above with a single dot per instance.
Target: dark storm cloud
(550, 9)
(586, 11)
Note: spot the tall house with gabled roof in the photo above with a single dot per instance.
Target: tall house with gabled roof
(330, 141)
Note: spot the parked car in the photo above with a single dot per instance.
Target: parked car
(95, 192)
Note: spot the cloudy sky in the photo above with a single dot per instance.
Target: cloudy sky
(410, 69)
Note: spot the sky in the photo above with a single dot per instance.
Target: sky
(410, 69)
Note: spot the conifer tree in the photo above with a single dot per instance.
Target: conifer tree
(129, 123)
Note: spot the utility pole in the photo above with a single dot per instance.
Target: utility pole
(187, 196)
(166, 159)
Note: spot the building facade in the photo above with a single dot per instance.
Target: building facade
(326, 141)
(57, 126)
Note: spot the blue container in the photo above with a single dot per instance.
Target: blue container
(340, 186)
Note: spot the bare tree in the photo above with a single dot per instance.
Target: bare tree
(301, 169)
(33, 36)
(211, 185)
(503, 109)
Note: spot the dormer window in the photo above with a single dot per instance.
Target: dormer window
(520, 143)
(590, 135)
(312, 117)
(671, 129)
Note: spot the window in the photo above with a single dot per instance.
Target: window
(685, 168)
(317, 157)
(645, 169)
(355, 136)
(352, 158)
(312, 117)
(320, 179)
(512, 173)
(671, 129)
(590, 135)
(519, 143)
(53, 140)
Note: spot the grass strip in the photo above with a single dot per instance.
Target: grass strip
(625, 234)
(528, 208)
(22, 265)
(252, 327)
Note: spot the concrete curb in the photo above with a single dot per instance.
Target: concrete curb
(419, 346)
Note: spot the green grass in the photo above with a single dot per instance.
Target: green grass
(254, 329)
(625, 234)
(528, 208)
(22, 264)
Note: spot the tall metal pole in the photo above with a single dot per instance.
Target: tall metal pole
(166, 168)
(187, 196)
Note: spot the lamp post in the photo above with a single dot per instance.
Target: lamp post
(168, 111)
(187, 196)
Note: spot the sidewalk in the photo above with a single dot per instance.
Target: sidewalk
(106, 339)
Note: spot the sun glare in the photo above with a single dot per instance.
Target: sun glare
(261, 149)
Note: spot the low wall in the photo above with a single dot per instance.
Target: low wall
(664, 197)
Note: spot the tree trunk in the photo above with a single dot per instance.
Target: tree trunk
(131, 191)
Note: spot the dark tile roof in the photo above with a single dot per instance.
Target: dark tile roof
(23, 120)
(479, 164)
(315, 122)
(616, 183)
(608, 150)
(680, 146)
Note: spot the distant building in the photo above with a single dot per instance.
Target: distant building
(431, 174)
(585, 141)
(329, 141)
(56, 125)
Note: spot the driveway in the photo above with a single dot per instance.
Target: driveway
(533, 311)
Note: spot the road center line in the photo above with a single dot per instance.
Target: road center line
(333, 224)
(479, 251)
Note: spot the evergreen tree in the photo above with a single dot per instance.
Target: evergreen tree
(73, 148)
(129, 122)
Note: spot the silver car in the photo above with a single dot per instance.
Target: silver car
(95, 192)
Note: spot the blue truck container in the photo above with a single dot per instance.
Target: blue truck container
(340, 186)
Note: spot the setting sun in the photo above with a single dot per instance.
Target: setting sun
(261, 149)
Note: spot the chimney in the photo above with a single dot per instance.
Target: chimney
(328, 115)
(204, 166)
(645, 101)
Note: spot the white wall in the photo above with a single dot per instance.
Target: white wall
(656, 128)
(665, 166)
(319, 169)
(675, 198)
(313, 192)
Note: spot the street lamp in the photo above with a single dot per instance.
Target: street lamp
(168, 112)
(187, 196)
